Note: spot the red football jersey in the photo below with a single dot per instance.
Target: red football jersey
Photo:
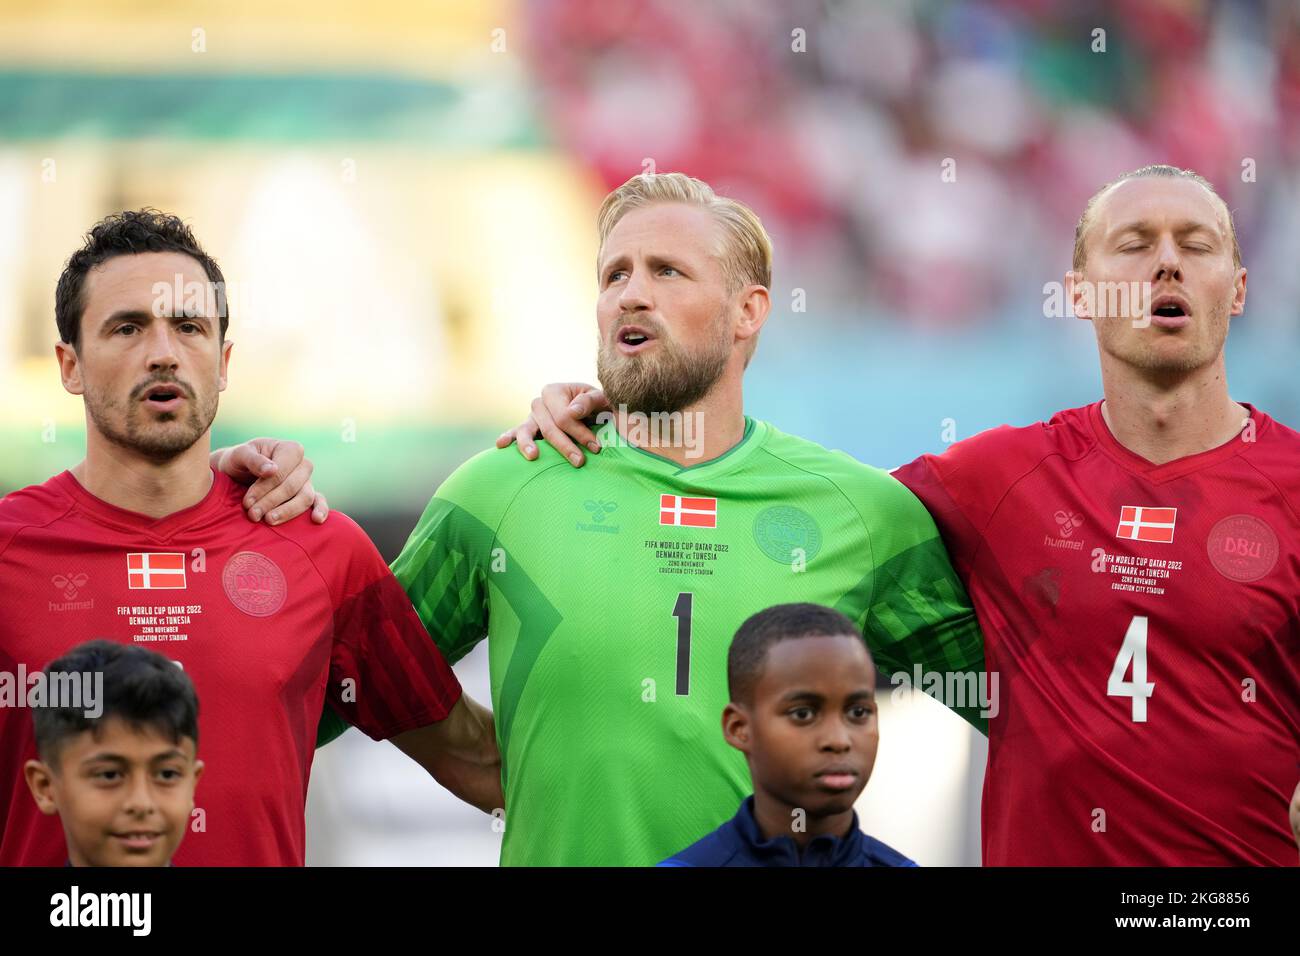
(261, 618)
(1143, 624)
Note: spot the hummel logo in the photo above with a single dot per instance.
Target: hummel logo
(1068, 521)
(600, 509)
(70, 583)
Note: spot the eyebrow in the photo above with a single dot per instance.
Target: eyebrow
(654, 261)
(105, 758)
(118, 758)
(1144, 227)
(864, 694)
(140, 315)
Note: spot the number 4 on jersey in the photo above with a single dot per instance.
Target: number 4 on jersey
(1139, 688)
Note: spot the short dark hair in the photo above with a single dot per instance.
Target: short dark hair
(140, 686)
(123, 234)
(779, 623)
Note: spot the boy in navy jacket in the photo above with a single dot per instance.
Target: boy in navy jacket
(803, 711)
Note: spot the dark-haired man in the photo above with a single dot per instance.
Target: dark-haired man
(144, 543)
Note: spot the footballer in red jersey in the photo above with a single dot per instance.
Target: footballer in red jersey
(143, 542)
(1134, 564)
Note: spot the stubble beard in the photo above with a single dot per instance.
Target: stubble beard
(161, 439)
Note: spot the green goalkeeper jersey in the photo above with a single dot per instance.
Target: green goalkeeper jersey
(609, 596)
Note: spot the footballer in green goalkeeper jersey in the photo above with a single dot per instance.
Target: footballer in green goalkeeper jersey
(609, 595)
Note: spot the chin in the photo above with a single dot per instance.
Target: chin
(821, 804)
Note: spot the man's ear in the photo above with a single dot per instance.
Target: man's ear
(40, 781)
(69, 368)
(1239, 292)
(736, 727)
(754, 308)
(223, 369)
(1078, 292)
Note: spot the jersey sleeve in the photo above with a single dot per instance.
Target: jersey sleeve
(918, 613)
(447, 562)
(386, 676)
(963, 487)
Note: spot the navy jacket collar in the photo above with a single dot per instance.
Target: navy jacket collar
(824, 850)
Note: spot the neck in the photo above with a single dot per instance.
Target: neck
(1164, 419)
(776, 819)
(697, 434)
(127, 480)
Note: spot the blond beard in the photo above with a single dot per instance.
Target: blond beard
(668, 382)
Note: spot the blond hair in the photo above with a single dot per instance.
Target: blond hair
(1157, 171)
(746, 247)
(747, 250)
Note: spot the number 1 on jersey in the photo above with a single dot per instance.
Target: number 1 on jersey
(682, 611)
(1133, 649)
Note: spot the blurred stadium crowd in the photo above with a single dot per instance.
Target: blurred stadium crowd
(838, 136)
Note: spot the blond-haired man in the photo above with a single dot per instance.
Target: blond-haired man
(608, 595)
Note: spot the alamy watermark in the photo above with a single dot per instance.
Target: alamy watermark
(72, 690)
(657, 430)
(1099, 300)
(954, 689)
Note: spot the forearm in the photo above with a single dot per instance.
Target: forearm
(461, 753)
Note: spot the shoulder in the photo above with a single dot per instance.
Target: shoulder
(713, 849)
(32, 507)
(338, 529)
(819, 460)
(859, 482)
(883, 504)
(1276, 455)
(340, 552)
(489, 481)
(878, 853)
(975, 472)
(1010, 448)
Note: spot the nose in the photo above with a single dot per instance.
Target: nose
(1169, 263)
(835, 736)
(139, 796)
(161, 356)
(635, 295)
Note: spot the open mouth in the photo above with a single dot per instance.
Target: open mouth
(1170, 311)
(632, 338)
(164, 397)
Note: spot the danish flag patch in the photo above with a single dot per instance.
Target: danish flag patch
(688, 512)
(1138, 523)
(155, 571)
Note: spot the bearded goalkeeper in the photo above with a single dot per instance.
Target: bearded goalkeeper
(608, 594)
